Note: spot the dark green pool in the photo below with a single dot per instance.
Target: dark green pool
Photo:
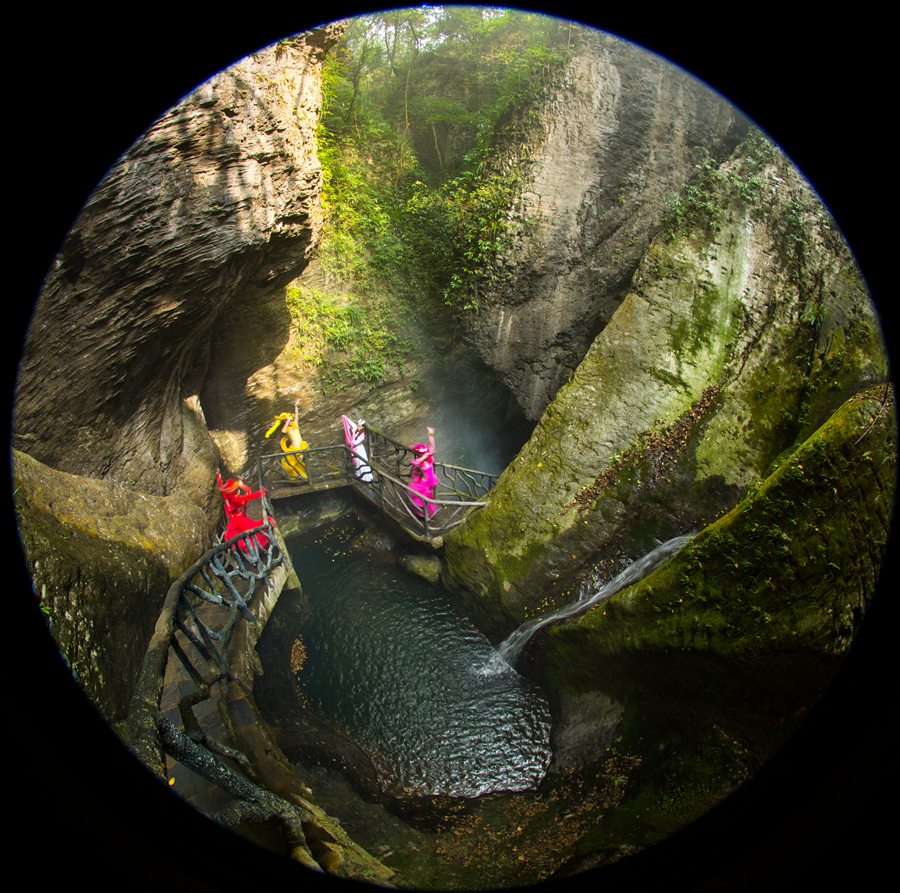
(391, 662)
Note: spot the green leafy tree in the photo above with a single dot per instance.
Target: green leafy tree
(420, 105)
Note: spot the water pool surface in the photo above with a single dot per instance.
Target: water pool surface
(390, 661)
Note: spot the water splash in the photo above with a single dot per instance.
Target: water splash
(508, 652)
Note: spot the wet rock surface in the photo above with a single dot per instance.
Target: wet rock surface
(428, 567)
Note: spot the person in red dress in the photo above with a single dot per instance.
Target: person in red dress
(235, 496)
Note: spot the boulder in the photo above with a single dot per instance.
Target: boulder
(102, 557)
(428, 567)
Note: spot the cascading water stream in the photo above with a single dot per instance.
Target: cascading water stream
(511, 648)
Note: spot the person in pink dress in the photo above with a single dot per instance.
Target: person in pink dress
(422, 479)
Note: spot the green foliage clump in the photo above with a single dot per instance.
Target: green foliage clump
(700, 204)
(416, 103)
(346, 339)
(473, 215)
(697, 206)
(361, 243)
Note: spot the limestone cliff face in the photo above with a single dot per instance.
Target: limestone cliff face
(618, 136)
(213, 208)
(102, 557)
(746, 325)
(215, 205)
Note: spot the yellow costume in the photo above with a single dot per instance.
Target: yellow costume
(292, 442)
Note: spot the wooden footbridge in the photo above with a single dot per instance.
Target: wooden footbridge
(380, 472)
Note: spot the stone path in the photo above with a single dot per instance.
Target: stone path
(205, 796)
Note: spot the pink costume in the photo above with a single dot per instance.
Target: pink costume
(422, 478)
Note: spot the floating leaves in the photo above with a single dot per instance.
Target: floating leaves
(298, 655)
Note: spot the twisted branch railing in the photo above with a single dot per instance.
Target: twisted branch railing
(382, 475)
(436, 517)
(196, 624)
(459, 491)
(309, 468)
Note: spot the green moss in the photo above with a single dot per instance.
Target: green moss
(653, 454)
(696, 331)
(773, 395)
(100, 597)
(485, 575)
(347, 338)
(793, 565)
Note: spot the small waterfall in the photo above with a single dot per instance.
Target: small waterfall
(508, 651)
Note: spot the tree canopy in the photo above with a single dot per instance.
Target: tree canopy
(419, 104)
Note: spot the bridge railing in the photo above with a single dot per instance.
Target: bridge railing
(305, 468)
(199, 617)
(460, 489)
(425, 517)
(382, 474)
(395, 459)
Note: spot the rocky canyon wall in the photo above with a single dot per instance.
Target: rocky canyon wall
(617, 137)
(746, 325)
(102, 557)
(215, 205)
(211, 211)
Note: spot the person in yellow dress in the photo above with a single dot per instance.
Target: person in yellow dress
(292, 442)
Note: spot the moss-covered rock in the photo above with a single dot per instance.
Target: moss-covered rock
(744, 329)
(102, 558)
(790, 568)
(700, 672)
(428, 567)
